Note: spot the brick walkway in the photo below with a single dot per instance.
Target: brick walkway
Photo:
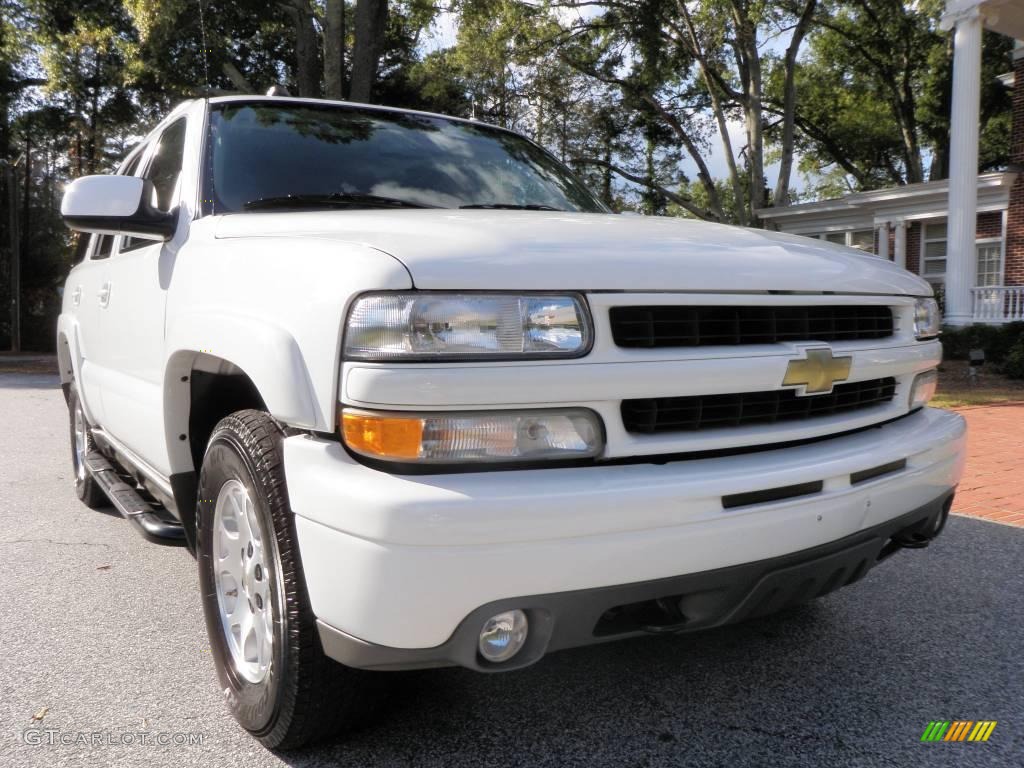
(993, 484)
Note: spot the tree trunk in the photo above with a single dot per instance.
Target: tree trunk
(651, 204)
(236, 77)
(781, 197)
(715, 210)
(755, 126)
(370, 22)
(717, 108)
(606, 175)
(306, 76)
(94, 113)
(334, 49)
(908, 130)
(26, 201)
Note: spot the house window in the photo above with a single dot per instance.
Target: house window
(933, 252)
(864, 239)
(990, 263)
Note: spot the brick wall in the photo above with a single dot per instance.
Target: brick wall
(990, 224)
(1015, 215)
(892, 243)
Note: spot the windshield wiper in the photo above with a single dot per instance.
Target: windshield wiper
(335, 199)
(513, 207)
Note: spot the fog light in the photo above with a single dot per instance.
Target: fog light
(923, 389)
(503, 636)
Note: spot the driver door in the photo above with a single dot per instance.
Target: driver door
(133, 300)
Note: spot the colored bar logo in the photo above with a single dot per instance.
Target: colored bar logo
(958, 730)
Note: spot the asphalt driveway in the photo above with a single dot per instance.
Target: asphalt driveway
(102, 635)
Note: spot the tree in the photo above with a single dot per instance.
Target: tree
(187, 49)
(370, 22)
(334, 49)
(875, 93)
(694, 68)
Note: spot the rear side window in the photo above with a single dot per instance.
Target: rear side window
(103, 248)
(163, 171)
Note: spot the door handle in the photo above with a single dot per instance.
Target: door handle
(76, 296)
(104, 294)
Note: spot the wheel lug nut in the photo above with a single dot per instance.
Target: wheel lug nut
(259, 572)
(250, 549)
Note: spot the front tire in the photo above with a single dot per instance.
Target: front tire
(277, 681)
(86, 487)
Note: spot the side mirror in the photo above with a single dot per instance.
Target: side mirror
(116, 205)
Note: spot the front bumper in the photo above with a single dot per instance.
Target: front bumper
(404, 561)
(673, 605)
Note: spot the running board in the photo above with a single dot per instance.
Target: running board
(129, 503)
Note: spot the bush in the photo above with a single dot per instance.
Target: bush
(996, 340)
(1013, 363)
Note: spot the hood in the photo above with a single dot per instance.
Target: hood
(539, 250)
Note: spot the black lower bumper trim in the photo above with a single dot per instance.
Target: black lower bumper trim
(684, 603)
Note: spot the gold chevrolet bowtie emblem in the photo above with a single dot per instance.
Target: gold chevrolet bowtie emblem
(818, 373)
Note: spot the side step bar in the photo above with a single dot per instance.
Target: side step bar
(129, 503)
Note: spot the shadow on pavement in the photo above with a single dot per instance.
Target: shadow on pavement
(29, 381)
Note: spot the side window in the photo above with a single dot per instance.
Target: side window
(163, 171)
(166, 164)
(103, 248)
(133, 166)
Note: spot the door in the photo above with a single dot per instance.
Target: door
(134, 298)
(84, 288)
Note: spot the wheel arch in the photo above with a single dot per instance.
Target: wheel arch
(218, 364)
(68, 355)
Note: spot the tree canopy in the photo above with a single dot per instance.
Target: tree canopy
(712, 109)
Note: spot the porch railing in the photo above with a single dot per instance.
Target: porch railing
(998, 304)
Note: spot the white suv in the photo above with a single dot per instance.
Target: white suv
(415, 398)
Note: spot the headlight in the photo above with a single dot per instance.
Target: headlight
(923, 389)
(927, 319)
(447, 326)
(452, 437)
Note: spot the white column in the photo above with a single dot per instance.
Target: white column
(900, 244)
(961, 263)
(883, 240)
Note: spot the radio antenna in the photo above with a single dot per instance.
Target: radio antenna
(202, 30)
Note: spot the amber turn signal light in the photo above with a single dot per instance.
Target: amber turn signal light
(385, 437)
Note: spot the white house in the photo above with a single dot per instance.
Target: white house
(966, 234)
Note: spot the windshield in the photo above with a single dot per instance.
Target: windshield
(291, 155)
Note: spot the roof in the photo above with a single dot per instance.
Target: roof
(939, 188)
(1003, 16)
(911, 202)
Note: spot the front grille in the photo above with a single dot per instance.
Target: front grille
(690, 326)
(688, 414)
